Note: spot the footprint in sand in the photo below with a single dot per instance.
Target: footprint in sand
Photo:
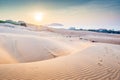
(99, 64)
(119, 63)
(100, 61)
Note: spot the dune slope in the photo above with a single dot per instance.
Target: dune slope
(46, 55)
(88, 64)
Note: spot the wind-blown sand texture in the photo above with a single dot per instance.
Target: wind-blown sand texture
(51, 54)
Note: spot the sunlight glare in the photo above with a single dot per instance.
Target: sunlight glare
(38, 16)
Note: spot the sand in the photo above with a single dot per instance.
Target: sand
(58, 55)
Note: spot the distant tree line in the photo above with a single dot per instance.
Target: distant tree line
(104, 31)
(97, 30)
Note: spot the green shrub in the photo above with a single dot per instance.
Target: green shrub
(1, 21)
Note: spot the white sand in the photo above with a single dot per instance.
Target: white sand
(54, 55)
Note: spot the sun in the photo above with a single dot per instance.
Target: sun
(38, 16)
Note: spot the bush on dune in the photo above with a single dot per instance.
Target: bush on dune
(21, 23)
(1, 21)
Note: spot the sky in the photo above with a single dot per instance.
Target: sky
(71, 13)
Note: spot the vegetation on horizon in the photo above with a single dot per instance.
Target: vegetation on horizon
(22, 23)
(97, 30)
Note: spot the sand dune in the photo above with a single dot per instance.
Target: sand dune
(52, 55)
(32, 48)
(88, 64)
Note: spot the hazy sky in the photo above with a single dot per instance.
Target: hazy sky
(79, 13)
